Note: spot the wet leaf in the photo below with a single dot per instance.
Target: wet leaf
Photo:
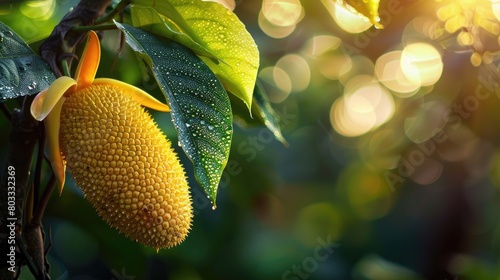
(368, 8)
(150, 20)
(199, 105)
(22, 72)
(267, 113)
(209, 26)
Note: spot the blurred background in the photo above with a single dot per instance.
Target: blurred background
(392, 168)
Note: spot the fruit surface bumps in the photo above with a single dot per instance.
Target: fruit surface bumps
(125, 166)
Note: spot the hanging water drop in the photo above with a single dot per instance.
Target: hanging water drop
(32, 86)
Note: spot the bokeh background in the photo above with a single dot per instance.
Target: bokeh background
(392, 169)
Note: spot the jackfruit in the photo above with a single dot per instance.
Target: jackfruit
(125, 166)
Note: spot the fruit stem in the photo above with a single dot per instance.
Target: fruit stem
(118, 9)
(65, 68)
(83, 28)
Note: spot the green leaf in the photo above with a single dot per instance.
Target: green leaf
(212, 28)
(148, 19)
(267, 113)
(368, 8)
(22, 72)
(199, 105)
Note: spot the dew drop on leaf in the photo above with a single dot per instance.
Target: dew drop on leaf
(198, 102)
(32, 86)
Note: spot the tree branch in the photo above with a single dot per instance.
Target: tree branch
(22, 140)
(62, 41)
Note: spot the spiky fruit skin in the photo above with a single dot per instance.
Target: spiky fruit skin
(125, 166)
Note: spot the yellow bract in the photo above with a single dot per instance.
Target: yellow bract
(116, 153)
(48, 103)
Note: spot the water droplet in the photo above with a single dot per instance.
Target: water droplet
(210, 127)
(188, 125)
(214, 207)
(32, 86)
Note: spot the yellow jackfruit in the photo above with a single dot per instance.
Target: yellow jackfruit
(125, 166)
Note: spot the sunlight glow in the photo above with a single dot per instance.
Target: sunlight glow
(334, 66)
(343, 124)
(272, 30)
(278, 83)
(297, 69)
(282, 13)
(41, 9)
(421, 63)
(278, 18)
(282, 80)
(495, 6)
(389, 72)
(360, 65)
(321, 44)
(364, 106)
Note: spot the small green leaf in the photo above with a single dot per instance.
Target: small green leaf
(199, 105)
(213, 28)
(267, 113)
(22, 72)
